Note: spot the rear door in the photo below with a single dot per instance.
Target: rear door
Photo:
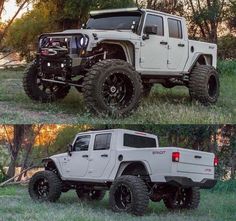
(100, 155)
(196, 162)
(178, 46)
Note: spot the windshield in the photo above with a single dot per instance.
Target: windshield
(114, 21)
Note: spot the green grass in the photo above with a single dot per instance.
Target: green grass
(16, 205)
(164, 106)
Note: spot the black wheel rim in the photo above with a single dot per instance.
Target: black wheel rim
(181, 198)
(123, 197)
(46, 87)
(41, 188)
(117, 90)
(212, 86)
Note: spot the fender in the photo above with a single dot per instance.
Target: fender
(50, 164)
(124, 165)
(127, 46)
(196, 58)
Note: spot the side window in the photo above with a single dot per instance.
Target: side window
(154, 20)
(82, 143)
(175, 28)
(102, 142)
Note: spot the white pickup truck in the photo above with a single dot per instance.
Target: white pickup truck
(132, 166)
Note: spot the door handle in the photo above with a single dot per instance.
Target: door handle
(104, 155)
(164, 43)
(85, 156)
(181, 45)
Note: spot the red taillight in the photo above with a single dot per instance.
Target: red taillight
(175, 156)
(216, 161)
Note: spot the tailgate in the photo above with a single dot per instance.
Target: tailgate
(196, 162)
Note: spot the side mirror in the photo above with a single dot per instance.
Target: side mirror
(151, 30)
(70, 149)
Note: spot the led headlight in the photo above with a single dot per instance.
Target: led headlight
(83, 41)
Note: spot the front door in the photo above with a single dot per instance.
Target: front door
(178, 47)
(76, 165)
(100, 156)
(155, 49)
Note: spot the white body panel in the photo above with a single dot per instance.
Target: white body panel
(152, 58)
(104, 165)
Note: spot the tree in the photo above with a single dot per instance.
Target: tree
(228, 149)
(168, 6)
(30, 134)
(14, 146)
(207, 15)
(232, 15)
(23, 34)
(21, 4)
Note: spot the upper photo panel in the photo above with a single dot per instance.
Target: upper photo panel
(165, 62)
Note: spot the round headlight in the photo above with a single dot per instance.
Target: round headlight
(83, 41)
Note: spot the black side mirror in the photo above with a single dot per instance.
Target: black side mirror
(70, 149)
(151, 30)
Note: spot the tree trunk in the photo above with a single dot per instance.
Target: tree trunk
(11, 168)
(15, 148)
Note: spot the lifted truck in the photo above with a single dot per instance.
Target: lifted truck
(118, 56)
(132, 166)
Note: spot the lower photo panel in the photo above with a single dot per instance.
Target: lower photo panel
(93, 172)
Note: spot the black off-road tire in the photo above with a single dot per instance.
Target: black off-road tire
(54, 186)
(204, 84)
(35, 93)
(191, 195)
(139, 195)
(92, 195)
(96, 80)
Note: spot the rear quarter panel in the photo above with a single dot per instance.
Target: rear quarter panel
(158, 162)
(201, 48)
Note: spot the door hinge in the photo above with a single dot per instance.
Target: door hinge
(168, 62)
(141, 60)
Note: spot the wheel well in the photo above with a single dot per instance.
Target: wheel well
(204, 60)
(116, 50)
(135, 169)
(51, 166)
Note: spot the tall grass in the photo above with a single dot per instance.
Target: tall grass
(228, 186)
(227, 67)
(16, 205)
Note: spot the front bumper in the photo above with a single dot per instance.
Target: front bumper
(187, 182)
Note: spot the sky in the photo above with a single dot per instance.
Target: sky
(10, 10)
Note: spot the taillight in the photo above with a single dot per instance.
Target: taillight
(216, 161)
(175, 156)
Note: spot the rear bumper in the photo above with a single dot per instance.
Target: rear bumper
(187, 182)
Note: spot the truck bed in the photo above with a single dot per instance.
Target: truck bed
(194, 165)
